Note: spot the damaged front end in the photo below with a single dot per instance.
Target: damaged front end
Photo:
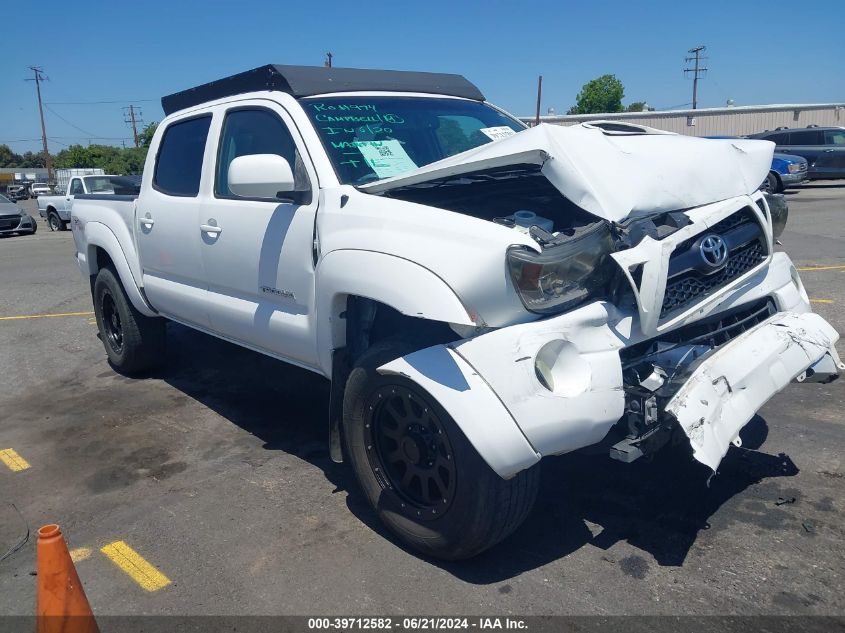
(666, 311)
(710, 378)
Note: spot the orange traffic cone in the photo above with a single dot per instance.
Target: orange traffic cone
(61, 605)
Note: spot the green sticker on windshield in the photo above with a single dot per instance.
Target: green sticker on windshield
(386, 158)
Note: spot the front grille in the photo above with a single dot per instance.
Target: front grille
(9, 222)
(690, 286)
(712, 331)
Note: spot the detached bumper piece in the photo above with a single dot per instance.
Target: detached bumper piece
(725, 392)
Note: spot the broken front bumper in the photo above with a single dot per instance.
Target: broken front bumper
(556, 385)
(730, 386)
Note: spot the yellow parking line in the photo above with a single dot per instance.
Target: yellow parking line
(15, 462)
(811, 268)
(44, 316)
(135, 566)
(821, 300)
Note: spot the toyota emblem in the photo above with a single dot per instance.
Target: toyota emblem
(713, 250)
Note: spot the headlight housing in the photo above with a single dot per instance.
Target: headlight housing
(794, 168)
(566, 273)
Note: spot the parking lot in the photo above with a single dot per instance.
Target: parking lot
(208, 489)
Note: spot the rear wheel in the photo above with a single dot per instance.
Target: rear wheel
(55, 222)
(419, 472)
(134, 343)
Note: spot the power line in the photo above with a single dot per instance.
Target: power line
(76, 127)
(96, 102)
(697, 70)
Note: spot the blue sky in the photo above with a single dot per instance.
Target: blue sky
(137, 52)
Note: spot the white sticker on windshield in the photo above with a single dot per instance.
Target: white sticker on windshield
(386, 158)
(497, 133)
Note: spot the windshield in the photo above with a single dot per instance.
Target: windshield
(4, 200)
(370, 138)
(99, 184)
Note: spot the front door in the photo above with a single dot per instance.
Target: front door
(168, 223)
(258, 253)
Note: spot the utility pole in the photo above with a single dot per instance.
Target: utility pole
(328, 62)
(132, 117)
(38, 77)
(696, 70)
(539, 97)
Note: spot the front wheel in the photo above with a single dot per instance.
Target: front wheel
(771, 184)
(419, 472)
(134, 343)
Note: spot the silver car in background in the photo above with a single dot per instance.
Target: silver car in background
(14, 219)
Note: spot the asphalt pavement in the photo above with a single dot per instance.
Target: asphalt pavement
(207, 488)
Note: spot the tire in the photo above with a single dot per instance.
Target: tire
(771, 184)
(453, 506)
(55, 222)
(134, 343)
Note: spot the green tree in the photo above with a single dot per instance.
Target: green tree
(145, 137)
(8, 158)
(32, 159)
(603, 94)
(113, 160)
(637, 106)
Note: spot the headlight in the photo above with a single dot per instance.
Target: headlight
(794, 168)
(565, 274)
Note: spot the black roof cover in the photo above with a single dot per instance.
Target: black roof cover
(305, 81)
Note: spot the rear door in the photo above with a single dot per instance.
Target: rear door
(168, 222)
(831, 162)
(259, 261)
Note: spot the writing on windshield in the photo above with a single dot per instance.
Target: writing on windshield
(370, 138)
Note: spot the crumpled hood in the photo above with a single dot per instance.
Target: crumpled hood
(614, 175)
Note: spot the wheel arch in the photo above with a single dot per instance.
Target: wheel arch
(102, 249)
(402, 285)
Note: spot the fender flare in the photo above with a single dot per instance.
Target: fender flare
(400, 283)
(100, 235)
(472, 404)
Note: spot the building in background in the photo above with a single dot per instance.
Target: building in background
(727, 121)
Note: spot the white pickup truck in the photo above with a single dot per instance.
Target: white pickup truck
(56, 208)
(479, 293)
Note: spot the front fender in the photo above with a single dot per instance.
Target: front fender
(403, 285)
(471, 403)
(98, 235)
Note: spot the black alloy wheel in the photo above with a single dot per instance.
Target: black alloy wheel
(410, 452)
(112, 326)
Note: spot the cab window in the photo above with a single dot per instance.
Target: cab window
(250, 131)
(179, 162)
(76, 187)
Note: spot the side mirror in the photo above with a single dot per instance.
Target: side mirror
(260, 176)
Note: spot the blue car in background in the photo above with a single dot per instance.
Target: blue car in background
(787, 170)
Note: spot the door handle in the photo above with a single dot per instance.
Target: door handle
(146, 222)
(827, 151)
(211, 228)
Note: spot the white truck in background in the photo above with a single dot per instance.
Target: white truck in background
(56, 208)
(480, 294)
(64, 175)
